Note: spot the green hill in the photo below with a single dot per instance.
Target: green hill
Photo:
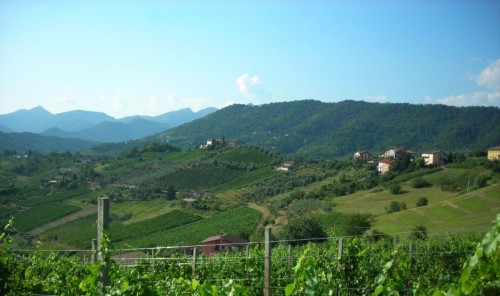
(313, 128)
(22, 142)
(155, 185)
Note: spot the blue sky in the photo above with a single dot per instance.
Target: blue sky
(152, 57)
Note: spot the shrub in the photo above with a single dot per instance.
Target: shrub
(419, 182)
(395, 189)
(481, 180)
(395, 206)
(423, 201)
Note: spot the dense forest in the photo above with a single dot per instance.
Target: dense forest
(321, 129)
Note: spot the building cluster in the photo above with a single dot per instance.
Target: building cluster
(431, 158)
(388, 159)
(214, 142)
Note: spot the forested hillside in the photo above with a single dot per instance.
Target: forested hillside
(22, 142)
(337, 129)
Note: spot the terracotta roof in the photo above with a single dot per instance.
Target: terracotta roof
(494, 148)
(225, 238)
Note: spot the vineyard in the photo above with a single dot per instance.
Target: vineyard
(34, 217)
(201, 177)
(457, 265)
(188, 229)
(245, 155)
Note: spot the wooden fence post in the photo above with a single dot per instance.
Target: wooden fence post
(194, 262)
(267, 261)
(339, 264)
(289, 256)
(102, 225)
(93, 255)
(339, 256)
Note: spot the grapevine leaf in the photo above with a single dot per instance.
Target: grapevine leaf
(289, 289)
(378, 290)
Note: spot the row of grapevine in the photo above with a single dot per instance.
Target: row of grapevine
(166, 229)
(45, 199)
(201, 177)
(245, 155)
(80, 232)
(238, 221)
(459, 265)
(34, 217)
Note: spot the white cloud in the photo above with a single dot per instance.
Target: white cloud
(489, 79)
(473, 99)
(490, 76)
(253, 88)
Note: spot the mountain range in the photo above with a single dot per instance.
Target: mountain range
(94, 126)
(303, 128)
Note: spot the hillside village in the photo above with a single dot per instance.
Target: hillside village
(385, 161)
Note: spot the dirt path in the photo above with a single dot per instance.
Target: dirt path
(261, 209)
(82, 213)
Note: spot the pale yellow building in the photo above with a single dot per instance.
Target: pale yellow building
(494, 153)
(433, 158)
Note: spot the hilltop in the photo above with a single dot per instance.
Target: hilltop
(317, 129)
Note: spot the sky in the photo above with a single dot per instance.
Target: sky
(152, 57)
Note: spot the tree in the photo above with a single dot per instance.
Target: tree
(356, 224)
(419, 232)
(171, 192)
(303, 230)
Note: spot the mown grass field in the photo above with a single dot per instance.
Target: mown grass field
(446, 211)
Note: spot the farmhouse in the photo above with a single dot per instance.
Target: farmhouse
(363, 155)
(287, 166)
(433, 158)
(221, 243)
(494, 153)
(211, 142)
(385, 165)
(398, 152)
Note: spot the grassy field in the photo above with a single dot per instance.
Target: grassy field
(471, 212)
(141, 210)
(446, 211)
